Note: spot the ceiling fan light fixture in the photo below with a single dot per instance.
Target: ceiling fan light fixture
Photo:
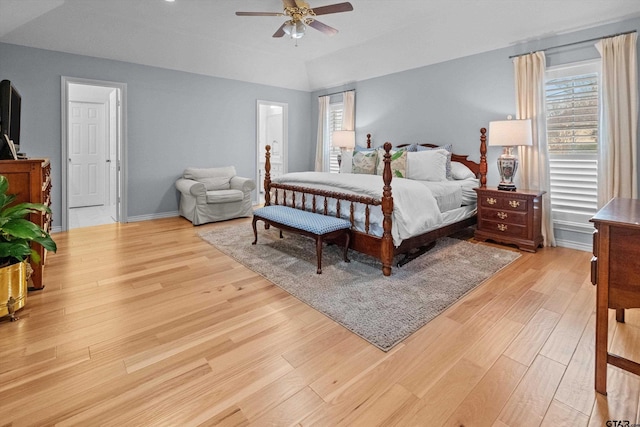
(295, 30)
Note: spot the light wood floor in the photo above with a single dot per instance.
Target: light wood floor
(146, 324)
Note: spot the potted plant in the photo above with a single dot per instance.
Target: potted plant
(16, 235)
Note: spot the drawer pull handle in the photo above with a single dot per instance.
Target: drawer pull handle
(502, 215)
(491, 201)
(502, 227)
(514, 203)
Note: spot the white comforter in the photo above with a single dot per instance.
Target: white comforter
(415, 210)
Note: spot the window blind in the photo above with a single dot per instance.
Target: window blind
(572, 136)
(336, 111)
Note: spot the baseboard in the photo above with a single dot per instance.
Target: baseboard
(574, 245)
(579, 229)
(139, 218)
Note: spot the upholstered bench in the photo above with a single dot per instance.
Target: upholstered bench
(318, 226)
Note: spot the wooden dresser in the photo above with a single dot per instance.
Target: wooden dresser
(513, 217)
(615, 269)
(30, 181)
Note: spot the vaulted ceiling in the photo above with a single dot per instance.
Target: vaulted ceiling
(376, 38)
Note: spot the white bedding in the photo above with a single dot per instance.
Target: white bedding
(417, 205)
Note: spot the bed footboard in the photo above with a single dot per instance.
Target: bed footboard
(301, 197)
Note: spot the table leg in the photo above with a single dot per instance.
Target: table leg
(601, 349)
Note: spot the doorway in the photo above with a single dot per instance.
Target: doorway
(93, 141)
(271, 129)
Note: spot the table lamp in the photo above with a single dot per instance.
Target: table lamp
(509, 133)
(343, 139)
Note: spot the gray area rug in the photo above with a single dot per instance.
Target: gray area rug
(382, 310)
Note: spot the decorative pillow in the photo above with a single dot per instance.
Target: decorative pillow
(364, 162)
(346, 162)
(448, 147)
(429, 165)
(398, 163)
(460, 171)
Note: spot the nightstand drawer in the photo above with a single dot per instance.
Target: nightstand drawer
(503, 202)
(503, 228)
(504, 216)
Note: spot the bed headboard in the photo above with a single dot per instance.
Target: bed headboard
(480, 169)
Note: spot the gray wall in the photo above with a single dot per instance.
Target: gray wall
(175, 120)
(179, 119)
(448, 103)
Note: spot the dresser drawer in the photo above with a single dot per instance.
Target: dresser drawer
(503, 202)
(504, 216)
(503, 228)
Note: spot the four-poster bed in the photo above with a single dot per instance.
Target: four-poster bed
(368, 211)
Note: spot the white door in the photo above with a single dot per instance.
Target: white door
(272, 130)
(87, 139)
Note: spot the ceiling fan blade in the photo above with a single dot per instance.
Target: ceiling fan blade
(330, 31)
(259, 13)
(333, 8)
(280, 31)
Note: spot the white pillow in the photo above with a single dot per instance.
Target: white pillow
(345, 163)
(428, 165)
(460, 171)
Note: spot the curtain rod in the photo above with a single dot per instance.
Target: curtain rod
(336, 93)
(571, 44)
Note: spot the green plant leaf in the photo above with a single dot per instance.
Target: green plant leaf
(16, 232)
(23, 209)
(21, 229)
(4, 184)
(19, 250)
(47, 242)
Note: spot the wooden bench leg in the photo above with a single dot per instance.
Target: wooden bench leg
(255, 230)
(319, 253)
(346, 246)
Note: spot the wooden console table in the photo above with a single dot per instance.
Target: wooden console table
(615, 269)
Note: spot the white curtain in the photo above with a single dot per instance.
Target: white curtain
(349, 112)
(617, 171)
(534, 159)
(322, 151)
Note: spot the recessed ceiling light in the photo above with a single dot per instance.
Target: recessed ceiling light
(170, 1)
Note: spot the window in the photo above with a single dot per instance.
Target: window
(335, 123)
(572, 134)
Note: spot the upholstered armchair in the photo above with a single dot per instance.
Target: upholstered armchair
(214, 194)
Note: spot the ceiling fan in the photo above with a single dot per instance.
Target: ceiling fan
(302, 15)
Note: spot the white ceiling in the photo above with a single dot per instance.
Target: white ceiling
(378, 37)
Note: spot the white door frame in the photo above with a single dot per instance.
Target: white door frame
(121, 146)
(285, 140)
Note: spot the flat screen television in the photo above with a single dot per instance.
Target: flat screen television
(10, 103)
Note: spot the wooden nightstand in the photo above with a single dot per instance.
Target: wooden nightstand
(512, 217)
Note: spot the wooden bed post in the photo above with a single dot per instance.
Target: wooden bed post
(368, 140)
(267, 176)
(483, 157)
(386, 249)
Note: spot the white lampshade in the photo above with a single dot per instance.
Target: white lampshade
(510, 132)
(343, 138)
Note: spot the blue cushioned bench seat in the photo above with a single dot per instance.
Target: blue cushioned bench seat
(318, 226)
